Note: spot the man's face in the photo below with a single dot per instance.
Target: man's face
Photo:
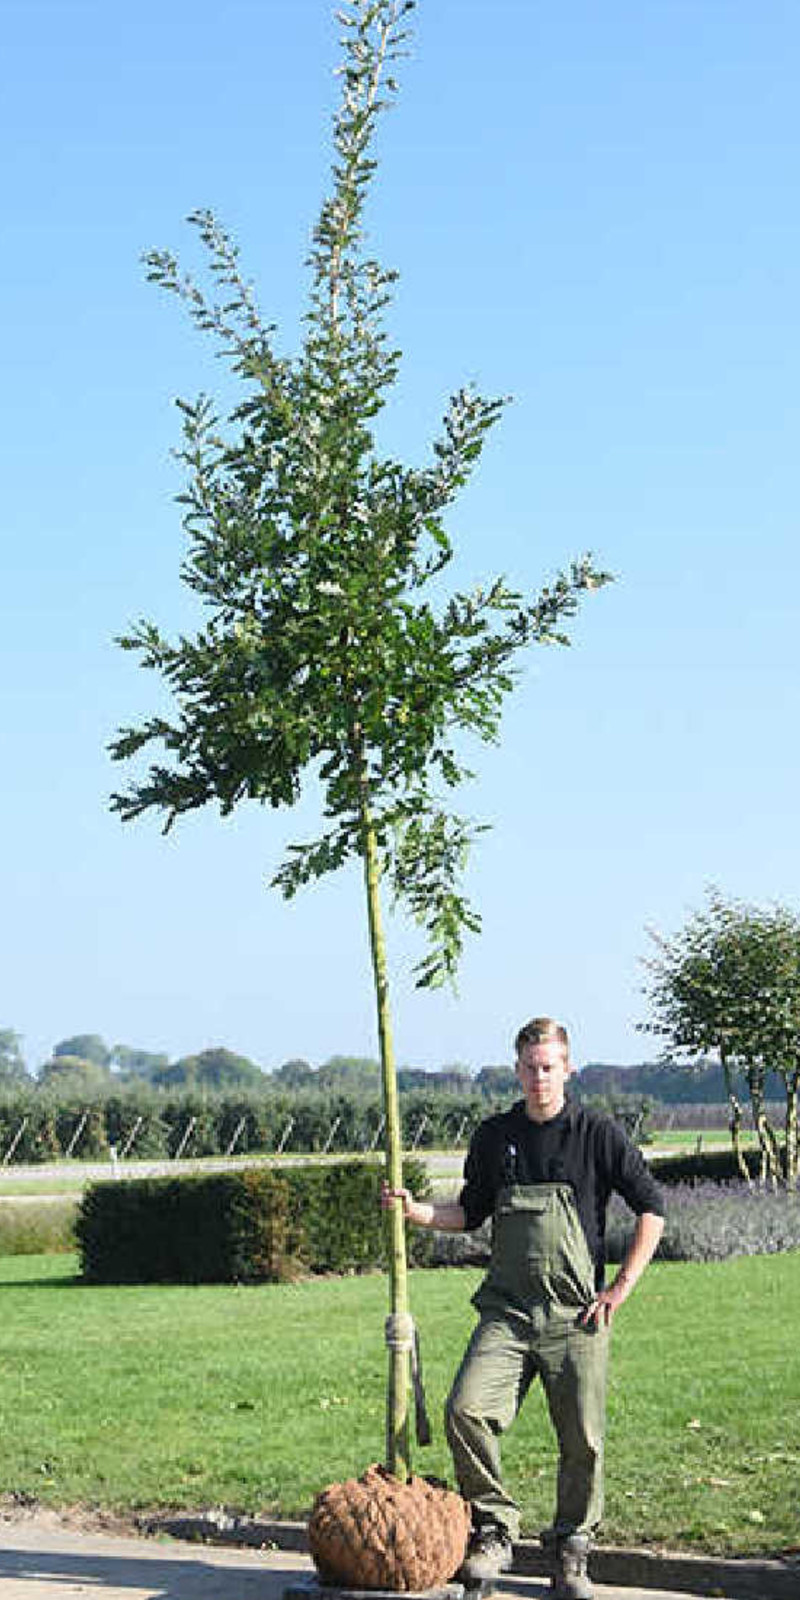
(542, 1070)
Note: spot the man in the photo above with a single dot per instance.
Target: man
(544, 1171)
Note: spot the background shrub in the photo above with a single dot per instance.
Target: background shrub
(707, 1166)
(253, 1225)
(81, 1129)
(28, 1228)
(137, 1122)
(29, 1122)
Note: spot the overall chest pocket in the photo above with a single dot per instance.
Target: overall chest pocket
(539, 1248)
(522, 1241)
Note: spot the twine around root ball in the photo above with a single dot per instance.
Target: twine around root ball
(375, 1532)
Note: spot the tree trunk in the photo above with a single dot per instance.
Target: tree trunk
(397, 1431)
(792, 1082)
(770, 1154)
(735, 1123)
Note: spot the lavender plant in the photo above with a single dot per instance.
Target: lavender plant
(713, 1221)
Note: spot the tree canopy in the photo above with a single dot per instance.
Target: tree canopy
(74, 1073)
(133, 1063)
(86, 1047)
(13, 1071)
(497, 1081)
(331, 651)
(729, 982)
(349, 1074)
(214, 1068)
(295, 1074)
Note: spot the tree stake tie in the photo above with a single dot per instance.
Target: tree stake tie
(401, 1334)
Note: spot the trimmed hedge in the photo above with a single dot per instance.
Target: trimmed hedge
(709, 1166)
(252, 1226)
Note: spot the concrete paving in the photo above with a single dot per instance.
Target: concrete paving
(40, 1560)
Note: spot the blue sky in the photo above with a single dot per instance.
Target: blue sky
(593, 209)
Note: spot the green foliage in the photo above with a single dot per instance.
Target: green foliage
(137, 1124)
(632, 1112)
(349, 1075)
(82, 1131)
(28, 1123)
(703, 1166)
(143, 1122)
(193, 1114)
(159, 1230)
(497, 1081)
(256, 1225)
(729, 982)
(13, 1072)
(699, 1081)
(86, 1047)
(294, 1074)
(131, 1062)
(319, 560)
(343, 1227)
(210, 1069)
(74, 1074)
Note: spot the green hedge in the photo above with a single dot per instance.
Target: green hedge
(249, 1226)
(709, 1166)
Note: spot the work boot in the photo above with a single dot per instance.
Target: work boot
(489, 1553)
(570, 1579)
(567, 1557)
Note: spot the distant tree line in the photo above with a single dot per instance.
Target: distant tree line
(85, 1064)
(701, 1082)
(90, 1099)
(141, 1123)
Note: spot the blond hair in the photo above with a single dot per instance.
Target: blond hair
(538, 1031)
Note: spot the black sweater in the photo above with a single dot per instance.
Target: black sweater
(583, 1148)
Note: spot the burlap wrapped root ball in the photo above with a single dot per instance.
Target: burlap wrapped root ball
(375, 1532)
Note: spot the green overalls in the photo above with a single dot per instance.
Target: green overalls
(540, 1277)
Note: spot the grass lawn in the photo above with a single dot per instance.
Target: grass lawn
(132, 1397)
(11, 1186)
(686, 1138)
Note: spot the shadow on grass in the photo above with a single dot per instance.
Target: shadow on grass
(74, 1281)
